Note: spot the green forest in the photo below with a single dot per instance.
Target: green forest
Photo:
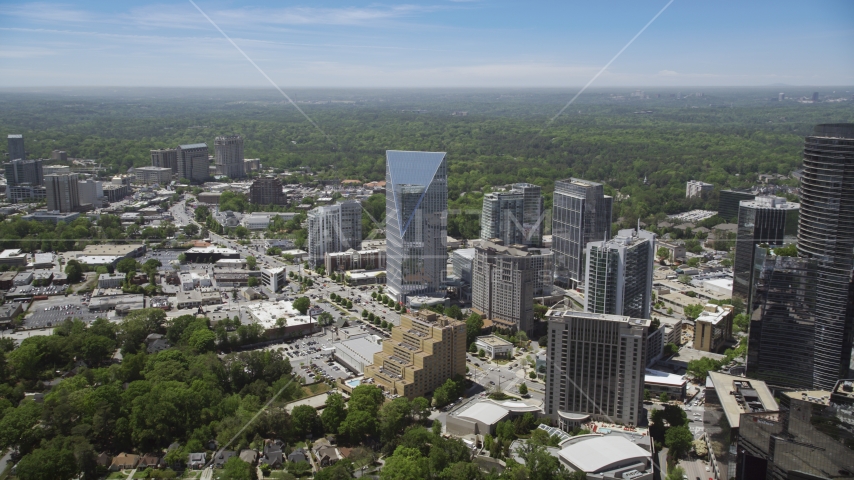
(725, 136)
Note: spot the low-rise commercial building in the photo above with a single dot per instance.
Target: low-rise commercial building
(606, 457)
(274, 278)
(494, 347)
(52, 216)
(23, 278)
(13, 257)
(713, 327)
(482, 416)
(210, 254)
(110, 280)
(355, 260)
(424, 351)
(152, 175)
(196, 298)
(657, 382)
(358, 352)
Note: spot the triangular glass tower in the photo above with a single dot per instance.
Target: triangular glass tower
(416, 222)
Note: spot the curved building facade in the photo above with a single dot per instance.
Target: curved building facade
(826, 235)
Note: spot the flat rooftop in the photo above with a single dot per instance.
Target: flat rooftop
(713, 314)
(494, 341)
(212, 249)
(658, 377)
(593, 454)
(111, 250)
(727, 388)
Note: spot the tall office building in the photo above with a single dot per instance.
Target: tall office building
(267, 191)
(515, 217)
(193, 162)
(764, 220)
(62, 193)
(24, 172)
(581, 214)
(729, 201)
(595, 368)
(416, 222)
(802, 309)
(228, 156)
(423, 352)
(619, 274)
(332, 229)
(826, 234)
(503, 285)
(16, 147)
(165, 158)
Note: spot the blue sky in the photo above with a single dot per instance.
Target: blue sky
(441, 43)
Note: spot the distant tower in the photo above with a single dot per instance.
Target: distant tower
(193, 162)
(228, 156)
(16, 147)
(781, 96)
(62, 193)
(814, 96)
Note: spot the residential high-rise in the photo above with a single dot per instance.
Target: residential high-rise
(24, 172)
(764, 220)
(89, 191)
(515, 217)
(423, 352)
(802, 309)
(696, 188)
(581, 214)
(503, 285)
(228, 156)
(595, 368)
(62, 194)
(16, 147)
(416, 222)
(333, 228)
(193, 162)
(267, 191)
(619, 274)
(165, 158)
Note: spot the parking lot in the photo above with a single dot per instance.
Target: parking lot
(51, 312)
(165, 256)
(306, 352)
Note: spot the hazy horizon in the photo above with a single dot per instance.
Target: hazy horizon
(427, 44)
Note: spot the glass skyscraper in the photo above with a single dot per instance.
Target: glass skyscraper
(765, 220)
(581, 214)
(416, 222)
(802, 309)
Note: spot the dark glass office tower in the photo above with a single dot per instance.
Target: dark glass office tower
(782, 320)
(803, 308)
(826, 235)
(763, 220)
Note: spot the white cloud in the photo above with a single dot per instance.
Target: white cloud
(667, 73)
(48, 12)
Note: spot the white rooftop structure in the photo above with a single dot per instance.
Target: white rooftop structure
(266, 314)
(596, 454)
(663, 378)
(212, 249)
(713, 313)
(488, 413)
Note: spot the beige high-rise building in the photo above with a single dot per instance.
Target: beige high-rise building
(423, 352)
(193, 162)
(595, 368)
(503, 285)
